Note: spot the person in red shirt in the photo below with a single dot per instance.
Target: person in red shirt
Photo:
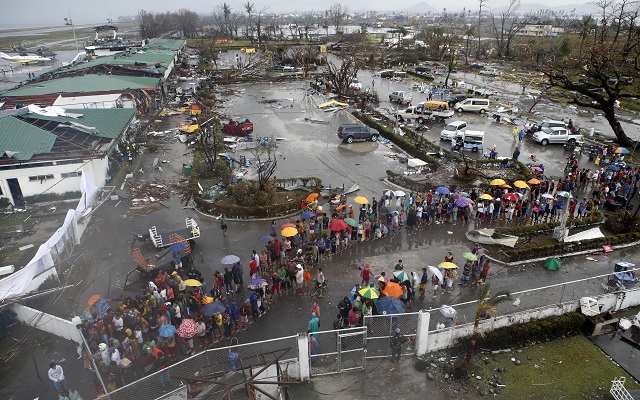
(366, 274)
(253, 268)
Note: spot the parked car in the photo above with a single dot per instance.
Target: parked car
(355, 84)
(457, 98)
(351, 132)
(452, 129)
(422, 68)
(556, 135)
(480, 105)
(400, 97)
(490, 72)
(551, 123)
(476, 65)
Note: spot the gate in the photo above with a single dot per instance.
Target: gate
(339, 350)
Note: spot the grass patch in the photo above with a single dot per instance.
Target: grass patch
(568, 368)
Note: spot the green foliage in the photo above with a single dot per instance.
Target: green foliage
(533, 331)
(619, 222)
(248, 193)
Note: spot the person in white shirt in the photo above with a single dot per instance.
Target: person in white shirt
(56, 374)
(115, 355)
(118, 322)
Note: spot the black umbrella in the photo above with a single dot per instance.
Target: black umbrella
(384, 210)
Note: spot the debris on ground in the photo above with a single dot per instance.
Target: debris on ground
(146, 193)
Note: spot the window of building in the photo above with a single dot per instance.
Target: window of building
(40, 178)
(71, 174)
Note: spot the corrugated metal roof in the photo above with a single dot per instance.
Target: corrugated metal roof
(108, 123)
(150, 56)
(20, 140)
(171, 44)
(84, 83)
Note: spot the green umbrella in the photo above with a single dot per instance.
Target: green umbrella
(470, 256)
(552, 263)
(351, 222)
(369, 293)
(402, 276)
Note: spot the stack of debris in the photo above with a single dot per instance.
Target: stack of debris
(149, 196)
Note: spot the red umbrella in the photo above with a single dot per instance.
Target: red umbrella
(511, 196)
(187, 329)
(288, 225)
(338, 225)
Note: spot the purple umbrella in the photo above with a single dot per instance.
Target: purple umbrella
(462, 202)
(442, 190)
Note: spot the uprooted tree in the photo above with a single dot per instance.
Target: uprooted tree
(341, 75)
(600, 76)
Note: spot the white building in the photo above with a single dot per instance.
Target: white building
(539, 30)
(45, 151)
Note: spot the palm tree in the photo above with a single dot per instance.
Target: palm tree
(226, 12)
(468, 33)
(585, 29)
(486, 304)
(249, 7)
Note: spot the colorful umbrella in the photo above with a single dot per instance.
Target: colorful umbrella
(470, 256)
(288, 225)
(447, 265)
(448, 311)
(361, 200)
(536, 169)
(213, 308)
(463, 202)
(436, 272)
(312, 196)
(307, 214)
(521, 184)
(505, 186)
(621, 150)
(381, 278)
(401, 275)
(230, 259)
(392, 289)
(533, 181)
(337, 225)
(341, 207)
(552, 263)
(390, 305)
(511, 196)
(187, 329)
(257, 283)
(192, 282)
(369, 293)
(497, 182)
(442, 190)
(485, 196)
(352, 222)
(289, 231)
(166, 330)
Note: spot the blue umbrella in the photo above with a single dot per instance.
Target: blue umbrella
(265, 238)
(256, 283)
(230, 259)
(307, 214)
(613, 167)
(177, 247)
(463, 202)
(213, 308)
(167, 330)
(442, 190)
(390, 305)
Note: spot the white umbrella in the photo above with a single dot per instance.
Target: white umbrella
(436, 272)
(547, 196)
(399, 193)
(448, 311)
(388, 192)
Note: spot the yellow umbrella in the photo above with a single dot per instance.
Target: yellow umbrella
(447, 265)
(312, 196)
(361, 200)
(533, 181)
(289, 231)
(207, 300)
(369, 293)
(192, 282)
(486, 196)
(505, 186)
(521, 185)
(497, 182)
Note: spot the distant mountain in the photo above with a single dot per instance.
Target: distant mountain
(581, 9)
(420, 8)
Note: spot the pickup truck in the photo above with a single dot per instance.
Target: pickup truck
(421, 114)
(556, 135)
(400, 97)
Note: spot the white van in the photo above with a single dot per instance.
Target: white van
(480, 105)
(472, 140)
(452, 129)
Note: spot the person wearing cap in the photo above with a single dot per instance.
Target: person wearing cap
(397, 340)
(299, 279)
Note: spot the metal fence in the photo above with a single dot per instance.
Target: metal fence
(338, 350)
(160, 383)
(380, 328)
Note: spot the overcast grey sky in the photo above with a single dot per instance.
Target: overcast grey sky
(24, 13)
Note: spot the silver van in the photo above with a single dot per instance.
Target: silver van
(480, 105)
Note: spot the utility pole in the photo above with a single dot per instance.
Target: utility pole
(68, 21)
(560, 232)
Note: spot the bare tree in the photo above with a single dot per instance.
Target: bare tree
(481, 4)
(342, 74)
(505, 27)
(469, 32)
(451, 65)
(338, 13)
(187, 22)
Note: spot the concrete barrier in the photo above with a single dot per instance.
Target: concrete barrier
(48, 323)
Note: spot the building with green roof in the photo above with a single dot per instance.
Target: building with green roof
(43, 151)
(84, 83)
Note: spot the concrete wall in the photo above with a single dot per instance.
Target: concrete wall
(445, 338)
(48, 323)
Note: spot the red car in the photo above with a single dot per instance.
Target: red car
(238, 128)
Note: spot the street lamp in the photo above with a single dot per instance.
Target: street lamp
(68, 21)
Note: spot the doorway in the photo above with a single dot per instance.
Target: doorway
(16, 192)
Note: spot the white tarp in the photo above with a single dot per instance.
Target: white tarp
(415, 163)
(592, 233)
(93, 101)
(48, 111)
(47, 254)
(488, 236)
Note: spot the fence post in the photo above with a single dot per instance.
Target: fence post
(422, 333)
(303, 357)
